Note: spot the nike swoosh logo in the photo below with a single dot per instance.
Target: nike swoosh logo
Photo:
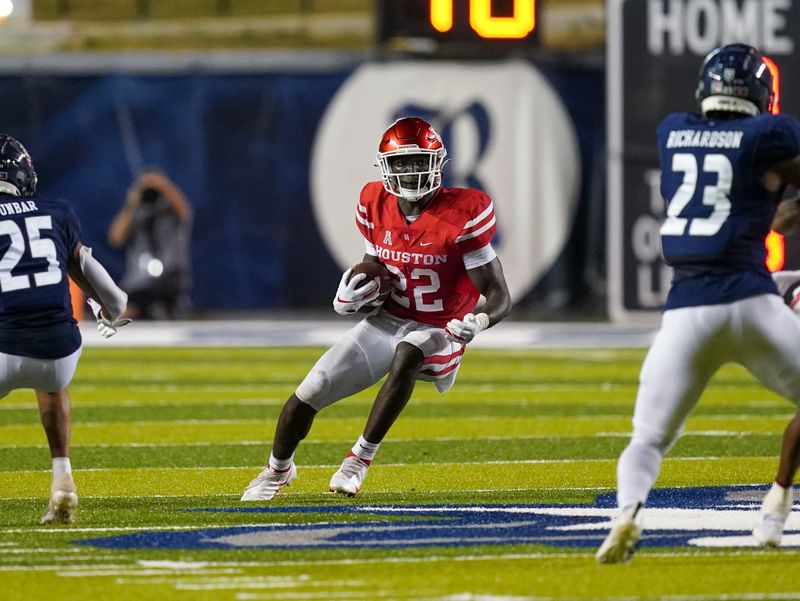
(425, 243)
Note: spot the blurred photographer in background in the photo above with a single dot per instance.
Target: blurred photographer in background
(155, 227)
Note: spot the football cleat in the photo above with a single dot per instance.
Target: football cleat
(63, 501)
(620, 544)
(350, 476)
(775, 510)
(268, 483)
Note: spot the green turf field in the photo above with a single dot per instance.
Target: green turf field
(458, 505)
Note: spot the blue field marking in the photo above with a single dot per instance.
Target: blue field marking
(679, 517)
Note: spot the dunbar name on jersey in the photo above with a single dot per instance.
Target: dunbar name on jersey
(429, 257)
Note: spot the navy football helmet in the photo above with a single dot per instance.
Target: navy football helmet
(17, 176)
(735, 79)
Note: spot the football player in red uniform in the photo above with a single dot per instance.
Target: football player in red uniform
(437, 244)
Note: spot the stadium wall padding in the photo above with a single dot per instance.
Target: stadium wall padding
(240, 148)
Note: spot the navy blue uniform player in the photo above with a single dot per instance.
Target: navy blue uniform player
(723, 174)
(39, 339)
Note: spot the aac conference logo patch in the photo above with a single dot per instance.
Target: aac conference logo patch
(694, 517)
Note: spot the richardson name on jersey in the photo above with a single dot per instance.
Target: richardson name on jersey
(12, 208)
(410, 258)
(690, 138)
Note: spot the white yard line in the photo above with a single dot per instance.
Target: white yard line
(301, 563)
(255, 443)
(64, 550)
(383, 465)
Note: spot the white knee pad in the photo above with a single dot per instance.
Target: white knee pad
(314, 389)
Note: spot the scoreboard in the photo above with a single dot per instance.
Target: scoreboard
(467, 28)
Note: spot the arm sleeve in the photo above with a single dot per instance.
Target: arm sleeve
(111, 295)
(480, 228)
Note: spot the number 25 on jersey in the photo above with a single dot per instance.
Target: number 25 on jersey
(40, 248)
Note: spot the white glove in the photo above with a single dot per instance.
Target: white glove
(350, 296)
(795, 304)
(464, 330)
(106, 327)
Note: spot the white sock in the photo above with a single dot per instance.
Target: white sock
(637, 470)
(280, 465)
(365, 450)
(61, 466)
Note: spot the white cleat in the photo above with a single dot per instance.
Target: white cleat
(769, 531)
(620, 544)
(350, 476)
(775, 510)
(63, 502)
(268, 483)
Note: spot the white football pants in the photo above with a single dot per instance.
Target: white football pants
(363, 355)
(761, 333)
(47, 375)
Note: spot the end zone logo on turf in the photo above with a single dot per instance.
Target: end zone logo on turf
(695, 517)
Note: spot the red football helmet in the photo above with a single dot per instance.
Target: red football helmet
(405, 137)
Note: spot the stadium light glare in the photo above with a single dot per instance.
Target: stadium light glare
(6, 8)
(776, 85)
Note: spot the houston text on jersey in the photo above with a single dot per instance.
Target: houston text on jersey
(408, 257)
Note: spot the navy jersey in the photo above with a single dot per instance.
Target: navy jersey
(37, 237)
(718, 211)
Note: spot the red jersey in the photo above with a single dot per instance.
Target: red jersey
(425, 256)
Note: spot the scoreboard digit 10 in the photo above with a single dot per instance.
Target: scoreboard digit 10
(479, 27)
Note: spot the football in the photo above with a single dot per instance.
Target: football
(375, 270)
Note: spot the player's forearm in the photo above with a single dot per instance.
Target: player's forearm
(491, 283)
(113, 299)
(76, 275)
(497, 306)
